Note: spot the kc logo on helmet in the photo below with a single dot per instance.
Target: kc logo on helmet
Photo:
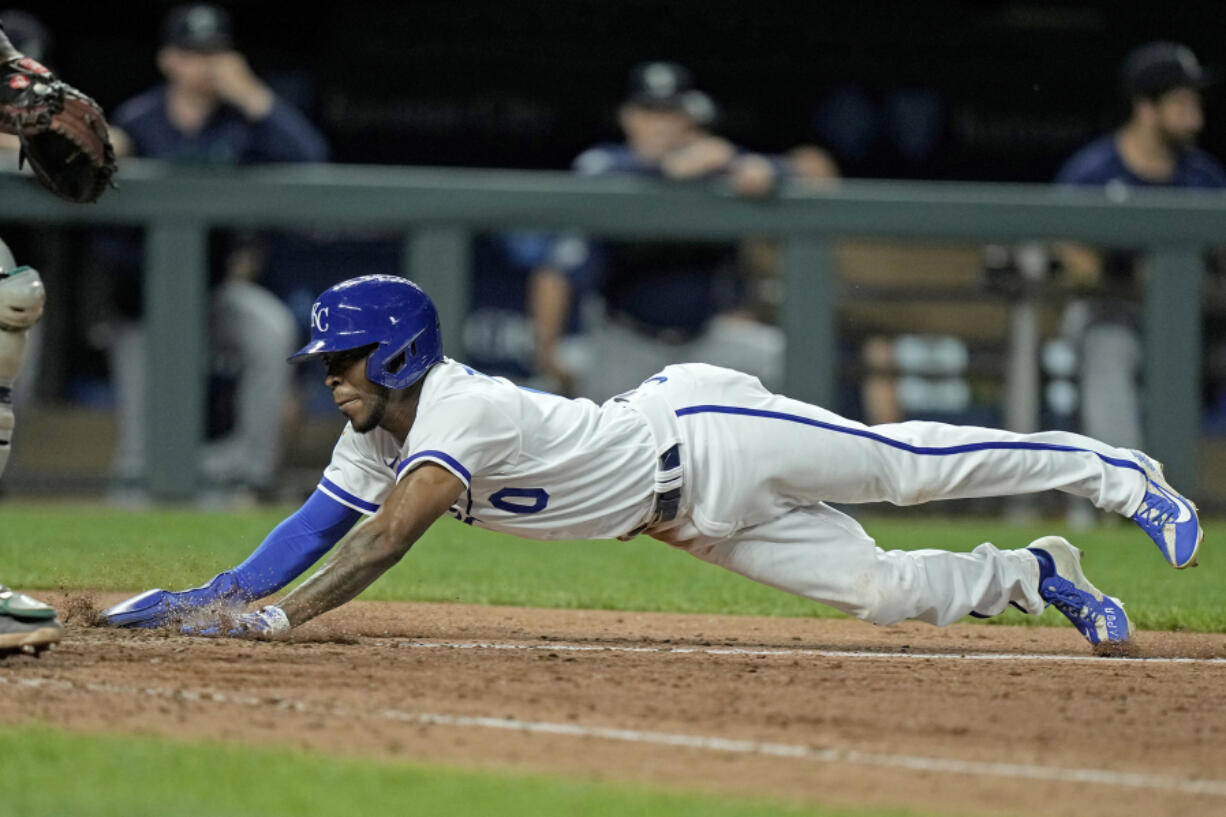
(319, 317)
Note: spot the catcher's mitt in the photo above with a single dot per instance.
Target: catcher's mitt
(63, 132)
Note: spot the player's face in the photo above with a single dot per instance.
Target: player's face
(1180, 117)
(191, 70)
(653, 132)
(363, 402)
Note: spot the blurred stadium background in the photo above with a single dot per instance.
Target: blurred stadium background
(941, 91)
(530, 83)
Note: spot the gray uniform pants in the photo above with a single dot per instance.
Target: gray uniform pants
(246, 320)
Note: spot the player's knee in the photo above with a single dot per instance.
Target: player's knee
(22, 298)
(901, 493)
(885, 591)
(879, 610)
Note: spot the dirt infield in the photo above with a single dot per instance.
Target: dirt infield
(962, 720)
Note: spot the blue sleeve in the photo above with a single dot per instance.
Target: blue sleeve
(1072, 174)
(294, 545)
(1095, 164)
(611, 158)
(285, 135)
(527, 249)
(1209, 171)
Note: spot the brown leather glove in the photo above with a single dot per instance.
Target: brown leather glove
(63, 132)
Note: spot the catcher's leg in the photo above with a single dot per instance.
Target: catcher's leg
(26, 625)
(256, 324)
(21, 305)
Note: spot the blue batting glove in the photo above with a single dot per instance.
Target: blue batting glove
(263, 623)
(160, 608)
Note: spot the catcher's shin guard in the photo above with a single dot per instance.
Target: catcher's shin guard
(21, 305)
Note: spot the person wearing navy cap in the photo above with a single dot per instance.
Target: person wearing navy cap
(669, 301)
(1161, 84)
(211, 110)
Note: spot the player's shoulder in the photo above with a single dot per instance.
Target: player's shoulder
(1093, 163)
(1204, 169)
(459, 403)
(450, 375)
(452, 387)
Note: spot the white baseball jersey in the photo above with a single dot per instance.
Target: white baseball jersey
(533, 464)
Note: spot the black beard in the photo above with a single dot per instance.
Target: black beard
(378, 409)
(1177, 143)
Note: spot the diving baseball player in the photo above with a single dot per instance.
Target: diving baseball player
(700, 457)
(63, 136)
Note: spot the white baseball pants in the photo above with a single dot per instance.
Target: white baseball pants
(758, 468)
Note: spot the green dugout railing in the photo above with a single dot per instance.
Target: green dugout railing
(439, 208)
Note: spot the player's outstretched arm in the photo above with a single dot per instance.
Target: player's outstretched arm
(291, 548)
(371, 549)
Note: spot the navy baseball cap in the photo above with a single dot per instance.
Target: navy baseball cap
(668, 86)
(198, 27)
(658, 84)
(1155, 68)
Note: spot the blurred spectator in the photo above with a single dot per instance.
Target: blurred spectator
(812, 167)
(517, 275)
(212, 110)
(675, 301)
(811, 164)
(1161, 83)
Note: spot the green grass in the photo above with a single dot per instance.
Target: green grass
(48, 773)
(62, 546)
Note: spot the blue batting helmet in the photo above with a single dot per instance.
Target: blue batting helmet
(393, 313)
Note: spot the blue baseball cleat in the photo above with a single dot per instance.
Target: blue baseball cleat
(1062, 584)
(1167, 516)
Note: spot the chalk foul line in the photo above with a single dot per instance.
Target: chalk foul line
(550, 646)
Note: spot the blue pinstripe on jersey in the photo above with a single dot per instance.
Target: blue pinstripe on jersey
(440, 455)
(340, 493)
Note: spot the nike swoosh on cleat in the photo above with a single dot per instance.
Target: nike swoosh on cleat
(1185, 512)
